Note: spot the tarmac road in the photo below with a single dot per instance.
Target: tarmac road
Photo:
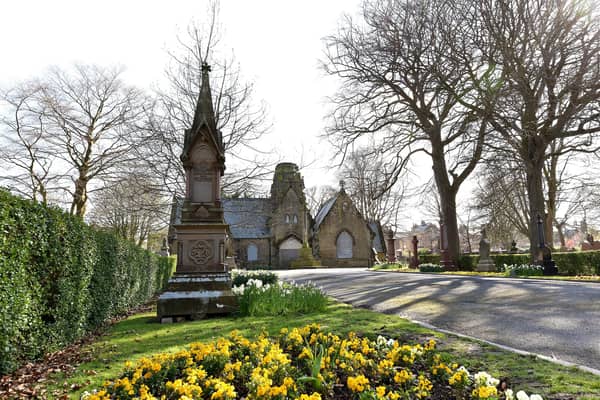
(558, 319)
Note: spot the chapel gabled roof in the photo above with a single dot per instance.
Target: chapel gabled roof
(320, 217)
(247, 218)
(204, 118)
(378, 241)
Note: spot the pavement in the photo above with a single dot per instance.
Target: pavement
(559, 320)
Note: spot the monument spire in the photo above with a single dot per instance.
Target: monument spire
(204, 116)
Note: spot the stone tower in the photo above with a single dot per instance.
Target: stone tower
(201, 284)
(290, 218)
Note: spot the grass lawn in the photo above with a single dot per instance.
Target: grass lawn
(140, 335)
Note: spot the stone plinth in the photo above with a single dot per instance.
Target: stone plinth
(201, 284)
(195, 296)
(486, 264)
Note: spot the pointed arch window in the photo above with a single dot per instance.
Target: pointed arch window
(343, 245)
(252, 252)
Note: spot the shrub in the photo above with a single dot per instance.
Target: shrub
(258, 299)
(523, 270)
(240, 277)
(59, 279)
(306, 364)
(431, 268)
(429, 259)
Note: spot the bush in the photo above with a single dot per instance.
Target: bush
(258, 300)
(429, 259)
(305, 364)
(240, 277)
(523, 270)
(431, 268)
(60, 279)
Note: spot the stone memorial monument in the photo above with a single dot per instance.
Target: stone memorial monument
(414, 262)
(486, 264)
(201, 284)
(391, 246)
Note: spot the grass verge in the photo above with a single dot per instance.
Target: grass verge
(141, 336)
(405, 269)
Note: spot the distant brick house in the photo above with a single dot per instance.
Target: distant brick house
(271, 231)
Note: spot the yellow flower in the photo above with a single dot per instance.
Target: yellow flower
(381, 392)
(459, 378)
(423, 388)
(403, 376)
(358, 384)
(484, 392)
(314, 396)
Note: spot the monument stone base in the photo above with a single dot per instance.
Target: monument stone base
(195, 296)
(486, 265)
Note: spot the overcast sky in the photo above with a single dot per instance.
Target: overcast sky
(277, 43)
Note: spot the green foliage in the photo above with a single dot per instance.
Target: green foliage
(578, 263)
(510, 259)
(467, 262)
(256, 299)
(431, 268)
(523, 270)
(240, 277)
(429, 259)
(59, 279)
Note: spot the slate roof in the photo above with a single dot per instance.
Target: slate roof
(248, 218)
(324, 211)
(377, 239)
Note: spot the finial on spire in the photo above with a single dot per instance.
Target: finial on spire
(342, 184)
(205, 67)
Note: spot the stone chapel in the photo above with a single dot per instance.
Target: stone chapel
(270, 232)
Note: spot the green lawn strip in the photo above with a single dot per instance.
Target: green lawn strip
(393, 268)
(140, 336)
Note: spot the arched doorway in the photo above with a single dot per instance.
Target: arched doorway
(289, 250)
(343, 245)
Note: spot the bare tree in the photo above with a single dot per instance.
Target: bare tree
(75, 125)
(91, 116)
(317, 196)
(396, 69)
(501, 197)
(24, 153)
(545, 56)
(131, 207)
(366, 177)
(241, 120)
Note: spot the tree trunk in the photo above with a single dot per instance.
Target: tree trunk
(535, 193)
(561, 235)
(78, 205)
(447, 195)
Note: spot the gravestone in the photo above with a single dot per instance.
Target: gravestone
(201, 284)
(485, 264)
(414, 263)
(391, 250)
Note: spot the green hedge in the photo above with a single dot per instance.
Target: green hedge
(568, 263)
(60, 279)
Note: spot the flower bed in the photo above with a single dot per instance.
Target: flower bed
(258, 299)
(306, 364)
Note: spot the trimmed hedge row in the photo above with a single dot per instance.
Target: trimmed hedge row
(568, 263)
(60, 279)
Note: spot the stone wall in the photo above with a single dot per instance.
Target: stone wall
(240, 249)
(343, 216)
